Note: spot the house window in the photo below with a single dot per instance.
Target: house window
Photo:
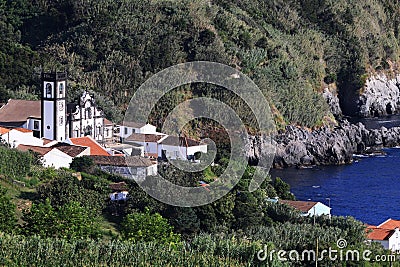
(107, 132)
(98, 130)
(126, 130)
(35, 125)
(61, 89)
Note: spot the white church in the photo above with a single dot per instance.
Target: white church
(54, 119)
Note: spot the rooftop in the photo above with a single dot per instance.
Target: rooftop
(379, 233)
(303, 206)
(390, 224)
(134, 124)
(145, 137)
(180, 141)
(20, 110)
(95, 148)
(121, 186)
(70, 150)
(134, 161)
(38, 149)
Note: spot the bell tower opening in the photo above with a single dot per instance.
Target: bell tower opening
(53, 102)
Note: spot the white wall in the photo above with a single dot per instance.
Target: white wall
(147, 129)
(319, 209)
(194, 149)
(15, 138)
(394, 241)
(48, 120)
(57, 159)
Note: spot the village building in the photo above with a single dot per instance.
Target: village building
(54, 119)
(119, 191)
(387, 234)
(308, 208)
(57, 156)
(180, 148)
(129, 128)
(87, 141)
(149, 142)
(17, 136)
(137, 168)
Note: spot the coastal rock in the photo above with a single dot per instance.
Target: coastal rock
(331, 97)
(326, 146)
(380, 97)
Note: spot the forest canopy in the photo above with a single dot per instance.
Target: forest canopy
(292, 49)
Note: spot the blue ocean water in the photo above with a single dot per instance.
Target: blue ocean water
(368, 189)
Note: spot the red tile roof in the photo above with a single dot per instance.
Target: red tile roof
(38, 149)
(144, 137)
(390, 224)
(303, 206)
(379, 233)
(95, 148)
(23, 130)
(46, 141)
(4, 130)
(20, 110)
(107, 122)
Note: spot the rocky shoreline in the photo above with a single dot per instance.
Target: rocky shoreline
(299, 147)
(336, 146)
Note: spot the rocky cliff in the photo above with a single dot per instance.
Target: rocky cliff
(326, 146)
(380, 97)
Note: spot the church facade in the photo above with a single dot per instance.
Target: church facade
(52, 117)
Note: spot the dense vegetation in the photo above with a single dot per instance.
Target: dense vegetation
(66, 218)
(291, 48)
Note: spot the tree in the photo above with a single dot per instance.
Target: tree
(283, 189)
(70, 221)
(148, 228)
(7, 212)
(83, 164)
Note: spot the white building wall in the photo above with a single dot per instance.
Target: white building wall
(48, 120)
(172, 152)
(394, 241)
(147, 129)
(319, 209)
(194, 149)
(57, 159)
(15, 138)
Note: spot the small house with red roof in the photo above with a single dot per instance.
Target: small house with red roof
(387, 234)
(17, 136)
(87, 141)
(308, 208)
(57, 156)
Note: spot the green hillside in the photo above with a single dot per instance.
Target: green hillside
(291, 48)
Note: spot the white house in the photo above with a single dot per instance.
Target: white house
(17, 136)
(134, 127)
(150, 142)
(120, 191)
(387, 234)
(308, 208)
(181, 148)
(134, 167)
(57, 156)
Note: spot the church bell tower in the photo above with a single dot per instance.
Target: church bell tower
(53, 98)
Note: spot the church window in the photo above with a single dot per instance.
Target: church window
(35, 125)
(88, 114)
(76, 133)
(98, 130)
(61, 89)
(48, 90)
